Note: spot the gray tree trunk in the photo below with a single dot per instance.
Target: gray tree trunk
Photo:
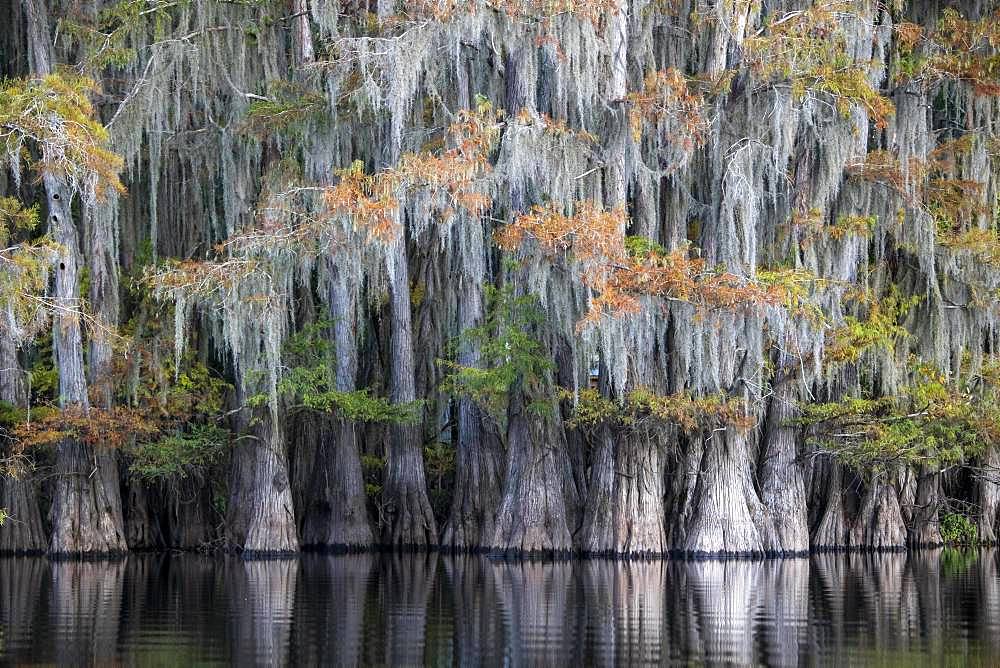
(832, 532)
(879, 524)
(625, 512)
(988, 496)
(783, 491)
(719, 512)
(22, 532)
(261, 519)
(337, 513)
(924, 529)
(532, 519)
(86, 502)
(410, 520)
(478, 467)
(191, 521)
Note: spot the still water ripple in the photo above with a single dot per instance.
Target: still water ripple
(922, 608)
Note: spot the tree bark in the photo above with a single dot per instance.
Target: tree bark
(783, 491)
(478, 472)
(191, 521)
(719, 512)
(338, 512)
(261, 519)
(988, 496)
(410, 520)
(142, 530)
(532, 520)
(832, 532)
(924, 528)
(625, 512)
(879, 524)
(22, 532)
(86, 505)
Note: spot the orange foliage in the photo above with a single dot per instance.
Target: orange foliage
(968, 50)
(667, 96)
(593, 239)
(371, 200)
(112, 428)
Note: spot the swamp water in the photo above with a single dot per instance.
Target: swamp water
(923, 608)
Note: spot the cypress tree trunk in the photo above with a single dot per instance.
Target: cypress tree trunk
(86, 502)
(142, 530)
(191, 521)
(261, 519)
(832, 531)
(22, 533)
(410, 520)
(988, 496)
(478, 472)
(532, 519)
(924, 528)
(625, 512)
(102, 263)
(783, 491)
(337, 513)
(719, 513)
(879, 524)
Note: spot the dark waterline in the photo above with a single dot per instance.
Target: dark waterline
(928, 607)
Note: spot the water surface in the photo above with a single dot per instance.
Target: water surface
(923, 608)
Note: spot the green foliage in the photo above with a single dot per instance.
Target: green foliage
(308, 381)
(958, 529)
(55, 116)
(288, 108)
(641, 248)
(104, 40)
(43, 376)
(372, 469)
(808, 51)
(508, 349)
(361, 406)
(24, 268)
(15, 216)
(879, 328)
(439, 464)
(180, 454)
(933, 422)
(643, 408)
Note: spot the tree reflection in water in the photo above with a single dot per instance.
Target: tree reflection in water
(408, 609)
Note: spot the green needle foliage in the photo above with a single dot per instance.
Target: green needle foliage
(508, 348)
(308, 382)
(933, 422)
